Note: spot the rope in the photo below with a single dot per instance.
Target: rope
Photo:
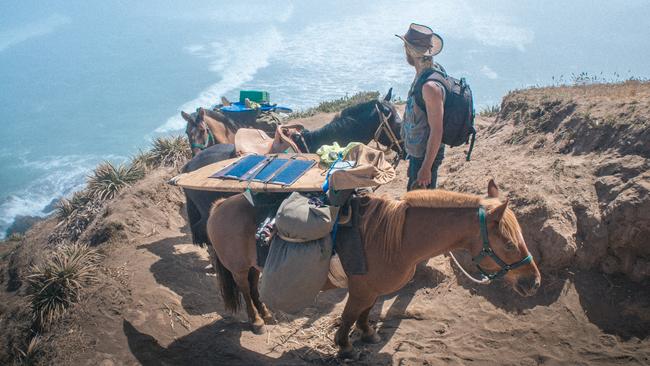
(483, 281)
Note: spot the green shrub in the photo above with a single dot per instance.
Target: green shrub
(56, 283)
(167, 151)
(108, 179)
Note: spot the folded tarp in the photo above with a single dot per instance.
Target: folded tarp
(370, 169)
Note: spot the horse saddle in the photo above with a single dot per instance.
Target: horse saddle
(254, 141)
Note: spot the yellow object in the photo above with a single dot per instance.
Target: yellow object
(329, 153)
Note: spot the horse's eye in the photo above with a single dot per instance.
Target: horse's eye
(510, 246)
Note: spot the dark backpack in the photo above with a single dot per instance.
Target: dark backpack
(458, 119)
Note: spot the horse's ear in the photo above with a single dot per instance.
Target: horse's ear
(201, 112)
(496, 213)
(389, 95)
(493, 191)
(187, 117)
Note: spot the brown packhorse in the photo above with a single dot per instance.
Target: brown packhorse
(206, 128)
(397, 235)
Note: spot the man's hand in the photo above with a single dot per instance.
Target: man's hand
(424, 178)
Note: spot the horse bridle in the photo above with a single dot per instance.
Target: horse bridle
(487, 251)
(207, 144)
(384, 127)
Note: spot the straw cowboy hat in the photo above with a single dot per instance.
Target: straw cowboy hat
(422, 39)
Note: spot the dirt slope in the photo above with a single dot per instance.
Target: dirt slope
(154, 303)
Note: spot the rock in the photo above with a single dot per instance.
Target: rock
(22, 223)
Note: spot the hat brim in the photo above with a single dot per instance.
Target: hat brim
(432, 50)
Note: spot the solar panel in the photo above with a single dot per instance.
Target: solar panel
(270, 169)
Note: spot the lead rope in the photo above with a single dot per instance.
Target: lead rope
(482, 281)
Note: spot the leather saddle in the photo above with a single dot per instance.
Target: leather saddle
(254, 141)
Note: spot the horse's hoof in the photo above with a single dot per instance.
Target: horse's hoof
(374, 338)
(259, 329)
(348, 354)
(268, 319)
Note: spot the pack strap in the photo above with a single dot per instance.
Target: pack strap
(471, 146)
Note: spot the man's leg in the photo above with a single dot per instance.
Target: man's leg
(414, 168)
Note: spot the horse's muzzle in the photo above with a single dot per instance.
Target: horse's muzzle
(527, 286)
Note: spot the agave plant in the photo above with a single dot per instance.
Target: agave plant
(56, 283)
(169, 151)
(143, 158)
(108, 179)
(30, 355)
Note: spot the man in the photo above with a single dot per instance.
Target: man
(422, 129)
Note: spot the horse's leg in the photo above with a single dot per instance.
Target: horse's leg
(354, 307)
(254, 279)
(241, 278)
(369, 334)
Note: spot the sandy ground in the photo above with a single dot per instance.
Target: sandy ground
(156, 305)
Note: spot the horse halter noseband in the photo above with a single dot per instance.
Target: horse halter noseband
(207, 143)
(487, 251)
(384, 127)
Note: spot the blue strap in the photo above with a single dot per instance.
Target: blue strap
(487, 251)
(326, 184)
(335, 229)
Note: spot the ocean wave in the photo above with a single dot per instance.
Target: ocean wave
(60, 176)
(236, 60)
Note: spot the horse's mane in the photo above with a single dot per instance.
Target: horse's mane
(383, 220)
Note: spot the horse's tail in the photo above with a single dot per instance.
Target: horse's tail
(229, 291)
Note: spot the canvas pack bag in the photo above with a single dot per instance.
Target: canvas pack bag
(458, 118)
(301, 218)
(294, 273)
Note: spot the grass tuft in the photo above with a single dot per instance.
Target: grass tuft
(107, 179)
(30, 355)
(56, 283)
(168, 151)
(337, 105)
(16, 237)
(490, 111)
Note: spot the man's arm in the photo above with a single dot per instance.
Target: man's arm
(433, 101)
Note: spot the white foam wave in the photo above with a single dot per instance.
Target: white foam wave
(60, 176)
(236, 60)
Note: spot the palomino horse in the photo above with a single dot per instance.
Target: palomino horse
(397, 235)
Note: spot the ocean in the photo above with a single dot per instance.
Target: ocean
(83, 82)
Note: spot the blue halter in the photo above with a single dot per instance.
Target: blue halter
(487, 251)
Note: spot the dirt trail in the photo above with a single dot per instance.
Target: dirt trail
(155, 304)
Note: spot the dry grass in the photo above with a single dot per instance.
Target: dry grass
(56, 283)
(15, 237)
(337, 105)
(309, 340)
(30, 354)
(490, 111)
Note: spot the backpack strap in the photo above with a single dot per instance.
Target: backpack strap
(432, 74)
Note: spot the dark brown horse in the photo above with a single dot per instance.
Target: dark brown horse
(360, 122)
(397, 235)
